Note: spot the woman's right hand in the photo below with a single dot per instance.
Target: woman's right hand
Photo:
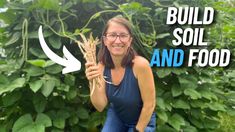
(92, 70)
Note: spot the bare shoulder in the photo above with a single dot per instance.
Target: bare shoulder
(140, 64)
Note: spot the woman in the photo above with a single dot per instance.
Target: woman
(129, 89)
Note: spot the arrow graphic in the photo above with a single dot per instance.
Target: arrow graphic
(70, 62)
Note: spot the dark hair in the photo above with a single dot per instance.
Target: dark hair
(104, 55)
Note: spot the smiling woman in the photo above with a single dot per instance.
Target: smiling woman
(112, 42)
(129, 89)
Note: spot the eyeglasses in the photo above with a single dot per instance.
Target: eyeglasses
(124, 37)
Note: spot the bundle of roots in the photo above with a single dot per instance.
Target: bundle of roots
(88, 49)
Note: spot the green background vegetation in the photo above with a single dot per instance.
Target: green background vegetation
(36, 97)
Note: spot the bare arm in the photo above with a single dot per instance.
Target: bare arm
(98, 98)
(147, 90)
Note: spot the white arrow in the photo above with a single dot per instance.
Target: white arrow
(70, 62)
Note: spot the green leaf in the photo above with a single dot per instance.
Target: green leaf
(17, 83)
(39, 102)
(231, 95)
(165, 128)
(52, 114)
(59, 123)
(38, 62)
(43, 119)
(3, 62)
(176, 4)
(233, 82)
(3, 128)
(55, 42)
(8, 17)
(190, 129)
(73, 120)
(63, 87)
(211, 123)
(95, 119)
(188, 81)
(48, 87)
(34, 71)
(21, 122)
(71, 94)
(196, 122)
(198, 104)
(208, 95)
(57, 130)
(15, 37)
(176, 90)
(49, 4)
(59, 118)
(84, 124)
(63, 114)
(49, 63)
(216, 106)
(2, 3)
(231, 74)
(178, 71)
(162, 115)
(58, 102)
(181, 104)
(77, 31)
(196, 113)
(176, 121)
(37, 52)
(231, 112)
(54, 69)
(36, 85)
(11, 98)
(82, 113)
(163, 72)
(67, 5)
(133, 8)
(69, 80)
(3, 80)
(192, 93)
(33, 128)
(161, 103)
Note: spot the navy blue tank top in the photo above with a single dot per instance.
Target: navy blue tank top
(124, 98)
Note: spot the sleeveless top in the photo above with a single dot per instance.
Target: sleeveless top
(124, 98)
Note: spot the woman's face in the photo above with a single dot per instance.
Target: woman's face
(117, 39)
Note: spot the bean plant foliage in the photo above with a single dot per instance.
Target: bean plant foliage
(35, 96)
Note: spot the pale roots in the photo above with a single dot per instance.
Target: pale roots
(88, 49)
